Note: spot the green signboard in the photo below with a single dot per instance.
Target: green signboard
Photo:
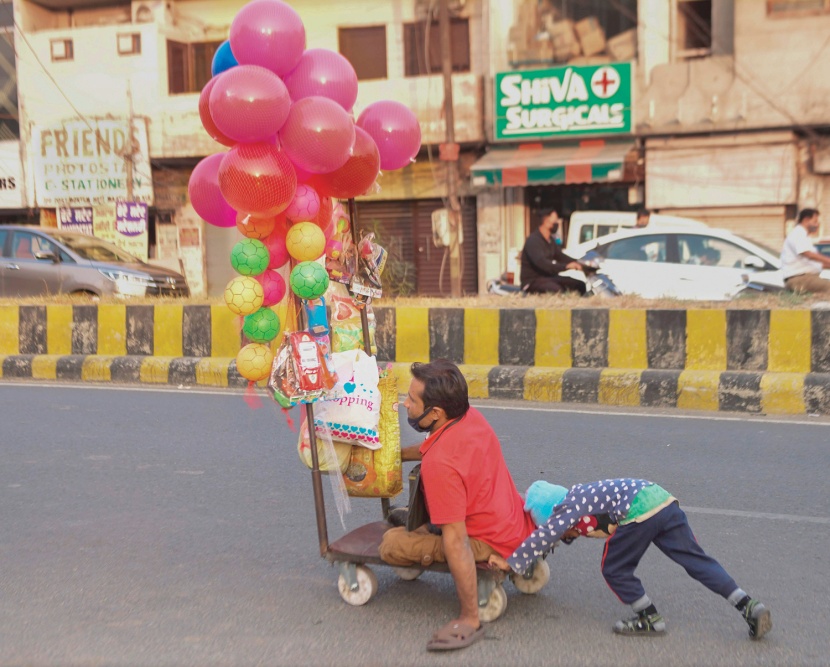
(563, 102)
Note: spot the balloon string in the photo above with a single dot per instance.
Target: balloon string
(251, 397)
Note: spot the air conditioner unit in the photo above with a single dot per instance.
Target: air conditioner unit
(150, 11)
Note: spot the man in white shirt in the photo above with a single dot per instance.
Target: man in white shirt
(800, 260)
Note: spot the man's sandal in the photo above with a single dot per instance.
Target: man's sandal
(454, 636)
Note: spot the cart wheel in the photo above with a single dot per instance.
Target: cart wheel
(541, 576)
(408, 573)
(367, 586)
(495, 607)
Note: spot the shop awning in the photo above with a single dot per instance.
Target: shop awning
(589, 161)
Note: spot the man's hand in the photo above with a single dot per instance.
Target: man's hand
(497, 561)
(574, 266)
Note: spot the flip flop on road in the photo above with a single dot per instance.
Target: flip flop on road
(453, 636)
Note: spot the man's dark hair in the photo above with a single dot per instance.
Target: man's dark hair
(643, 213)
(544, 213)
(444, 386)
(806, 213)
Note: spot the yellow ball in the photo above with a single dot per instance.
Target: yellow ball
(253, 362)
(305, 241)
(244, 295)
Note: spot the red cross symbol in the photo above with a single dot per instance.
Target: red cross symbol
(605, 82)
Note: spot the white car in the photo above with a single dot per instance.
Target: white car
(692, 264)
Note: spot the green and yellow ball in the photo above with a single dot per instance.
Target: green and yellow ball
(250, 257)
(244, 295)
(253, 362)
(309, 280)
(261, 326)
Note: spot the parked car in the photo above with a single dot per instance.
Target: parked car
(698, 264)
(38, 260)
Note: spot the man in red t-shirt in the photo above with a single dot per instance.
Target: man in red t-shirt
(468, 489)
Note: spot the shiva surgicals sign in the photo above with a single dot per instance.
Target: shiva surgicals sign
(563, 102)
(88, 161)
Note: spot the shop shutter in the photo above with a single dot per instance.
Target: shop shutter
(762, 224)
(407, 230)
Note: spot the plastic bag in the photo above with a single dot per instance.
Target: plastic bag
(378, 473)
(299, 373)
(352, 414)
(346, 325)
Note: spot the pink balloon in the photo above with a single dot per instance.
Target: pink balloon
(268, 33)
(205, 194)
(207, 120)
(249, 103)
(356, 176)
(275, 242)
(257, 179)
(304, 206)
(273, 286)
(325, 73)
(395, 130)
(318, 135)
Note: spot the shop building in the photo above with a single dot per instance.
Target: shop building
(142, 64)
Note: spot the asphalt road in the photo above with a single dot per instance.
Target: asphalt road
(145, 527)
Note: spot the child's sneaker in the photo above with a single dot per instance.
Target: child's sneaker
(642, 624)
(758, 618)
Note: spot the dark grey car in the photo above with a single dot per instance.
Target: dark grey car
(40, 260)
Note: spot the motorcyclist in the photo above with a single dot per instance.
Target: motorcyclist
(542, 261)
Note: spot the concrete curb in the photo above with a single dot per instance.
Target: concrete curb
(727, 391)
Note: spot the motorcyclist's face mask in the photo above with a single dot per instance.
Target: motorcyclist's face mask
(415, 422)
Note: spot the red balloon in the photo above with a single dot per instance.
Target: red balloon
(325, 73)
(324, 216)
(396, 131)
(207, 119)
(205, 194)
(249, 103)
(317, 135)
(356, 176)
(273, 287)
(275, 242)
(257, 179)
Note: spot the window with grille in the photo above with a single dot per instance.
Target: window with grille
(420, 60)
(188, 65)
(365, 48)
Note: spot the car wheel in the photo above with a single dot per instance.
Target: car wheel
(84, 294)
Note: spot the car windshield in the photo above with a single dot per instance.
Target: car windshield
(95, 249)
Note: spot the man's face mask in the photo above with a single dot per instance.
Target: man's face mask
(415, 422)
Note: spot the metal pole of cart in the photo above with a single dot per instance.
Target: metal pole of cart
(316, 475)
(364, 321)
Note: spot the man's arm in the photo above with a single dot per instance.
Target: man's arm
(411, 453)
(462, 566)
(824, 260)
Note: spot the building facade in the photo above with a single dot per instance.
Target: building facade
(714, 109)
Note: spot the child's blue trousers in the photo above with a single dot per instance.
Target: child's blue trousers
(669, 530)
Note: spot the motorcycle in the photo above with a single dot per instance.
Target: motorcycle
(597, 282)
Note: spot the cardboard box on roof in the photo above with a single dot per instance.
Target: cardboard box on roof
(563, 39)
(590, 60)
(623, 46)
(591, 36)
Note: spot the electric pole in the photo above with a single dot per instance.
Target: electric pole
(449, 154)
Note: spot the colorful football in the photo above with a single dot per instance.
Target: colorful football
(250, 257)
(305, 241)
(261, 326)
(244, 295)
(253, 362)
(309, 280)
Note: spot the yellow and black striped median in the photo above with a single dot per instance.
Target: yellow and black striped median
(761, 361)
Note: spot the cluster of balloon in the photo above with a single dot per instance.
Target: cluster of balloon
(285, 113)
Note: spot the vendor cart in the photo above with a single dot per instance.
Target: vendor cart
(355, 551)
